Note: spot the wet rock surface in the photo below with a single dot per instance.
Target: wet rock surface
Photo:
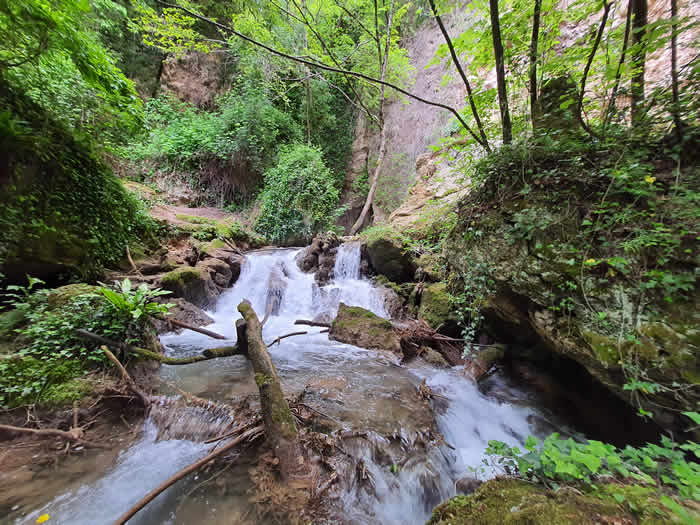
(319, 257)
(388, 258)
(184, 312)
(360, 327)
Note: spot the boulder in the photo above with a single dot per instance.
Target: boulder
(182, 311)
(388, 258)
(194, 284)
(393, 303)
(433, 357)
(63, 294)
(276, 288)
(319, 257)
(436, 306)
(360, 327)
(219, 271)
(467, 485)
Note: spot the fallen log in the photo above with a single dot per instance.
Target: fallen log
(280, 426)
(312, 323)
(211, 353)
(251, 434)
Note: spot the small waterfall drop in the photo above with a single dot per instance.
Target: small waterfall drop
(347, 261)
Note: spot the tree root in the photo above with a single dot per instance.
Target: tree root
(74, 435)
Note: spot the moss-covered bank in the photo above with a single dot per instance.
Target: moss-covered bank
(514, 502)
(591, 252)
(62, 211)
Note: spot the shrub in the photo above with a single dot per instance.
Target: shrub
(299, 198)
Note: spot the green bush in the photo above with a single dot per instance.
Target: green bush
(300, 198)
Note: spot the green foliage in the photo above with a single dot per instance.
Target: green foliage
(300, 197)
(50, 353)
(555, 461)
(135, 302)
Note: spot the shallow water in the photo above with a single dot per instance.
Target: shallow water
(363, 390)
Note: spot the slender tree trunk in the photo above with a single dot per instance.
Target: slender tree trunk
(618, 74)
(500, 73)
(382, 132)
(534, 41)
(674, 71)
(280, 427)
(639, 22)
(484, 142)
(591, 56)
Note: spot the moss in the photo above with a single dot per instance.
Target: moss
(509, 501)
(604, 347)
(62, 394)
(181, 276)
(9, 321)
(195, 219)
(436, 306)
(262, 379)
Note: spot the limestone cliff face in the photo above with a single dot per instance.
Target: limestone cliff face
(195, 77)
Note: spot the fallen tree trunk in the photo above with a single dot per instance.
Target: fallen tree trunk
(184, 472)
(211, 353)
(280, 426)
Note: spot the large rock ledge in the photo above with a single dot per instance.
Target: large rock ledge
(360, 327)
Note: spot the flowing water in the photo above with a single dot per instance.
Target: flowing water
(364, 390)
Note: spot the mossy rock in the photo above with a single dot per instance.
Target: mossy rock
(514, 502)
(436, 306)
(429, 265)
(359, 327)
(389, 258)
(9, 322)
(64, 294)
(193, 284)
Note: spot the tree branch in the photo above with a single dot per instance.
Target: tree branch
(309, 63)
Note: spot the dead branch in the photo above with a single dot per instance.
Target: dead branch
(276, 341)
(127, 378)
(180, 324)
(74, 434)
(312, 323)
(211, 353)
(131, 261)
(251, 434)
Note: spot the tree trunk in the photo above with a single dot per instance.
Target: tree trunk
(618, 74)
(534, 41)
(639, 22)
(484, 140)
(280, 427)
(500, 73)
(674, 71)
(382, 133)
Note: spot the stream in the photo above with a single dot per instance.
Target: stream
(364, 390)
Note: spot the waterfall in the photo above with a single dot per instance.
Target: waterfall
(347, 261)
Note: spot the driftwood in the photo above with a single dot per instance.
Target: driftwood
(211, 353)
(415, 334)
(280, 426)
(276, 341)
(251, 434)
(74, 434)
(312, 323)
(180, 324)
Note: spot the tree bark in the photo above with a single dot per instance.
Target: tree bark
(484, 140)
(382, 133)
(534, 41)
(500, 73)
(280, 426)
(639, 22)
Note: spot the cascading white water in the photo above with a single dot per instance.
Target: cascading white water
(365, 390)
